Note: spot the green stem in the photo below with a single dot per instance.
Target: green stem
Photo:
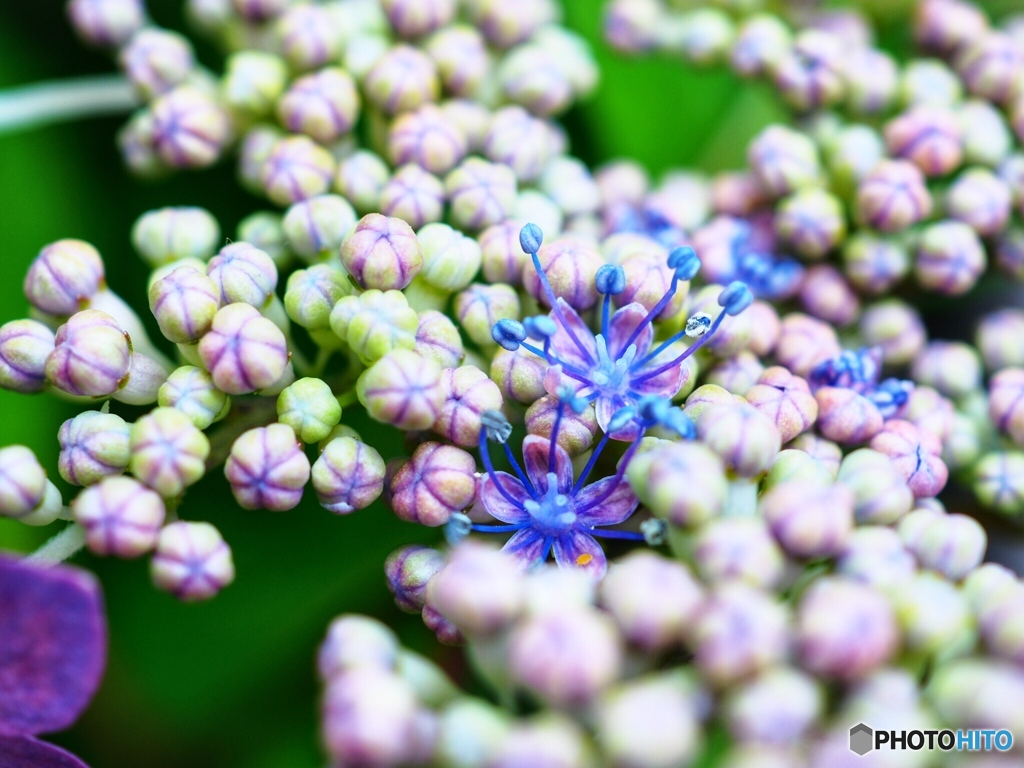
(348, 398)
(60, 547)
(64, 100)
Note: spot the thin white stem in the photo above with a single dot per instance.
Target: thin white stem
(63, 100)
(60, 547)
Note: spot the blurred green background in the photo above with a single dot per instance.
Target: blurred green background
(232, 682)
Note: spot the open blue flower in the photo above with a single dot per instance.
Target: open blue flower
(860, 371)
(746, 251)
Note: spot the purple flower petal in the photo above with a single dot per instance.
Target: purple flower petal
(535, 457)
(621, 326)
(606, 407)
(666, 384)
(564, 348)
(26, 752)
(497, 505)
(527, 546)
(619, 504)
(54, 641)
(580, 550)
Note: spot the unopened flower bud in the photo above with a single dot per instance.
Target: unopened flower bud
(480, 307)
(914, 453)
(950, 258)
(520, 141)
(893, 196)
(746, 439)
(794, 699)
(168, 452)
(403, 79)
(804, 342)
(23, 484)
(318, 226)
(382, 253)
(481, 589)
(184, 303)
(482, 194)
(190, 130)
(64, 276)
(375, 323)
(881, 493)
(310, 36)
(348, 475)
(438, 339)
(896, 327)
(355, 642)
(875, 555)
(953, 368)
(928, 136)
(932, 613)
(369, 715)
(243, 273)
(450, 259)
(267, 468)
(997, 339)
(191, 561)
(360, 178)
(812, 221)
(783, 160)
(468, 394)
(786, 400)
(323, 105)
(93, 445)
(168, 234)
(811, 75)
(436, 482)
(24, 347)
(106, 23)
(846, 416)
(952, 545)
(981, 200)
(519, 375)
(683, 483)
(296, 168)
(408, 571)
(243, 350)
(576, 431)
(192, 391)
(991, 66)
(91, 357)
(402, 389)
(156, 60)
(120, 516)
(310, 408)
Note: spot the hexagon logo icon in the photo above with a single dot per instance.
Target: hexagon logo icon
(862, 739)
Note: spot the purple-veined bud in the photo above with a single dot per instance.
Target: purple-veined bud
(255, 147)
(414, 196)
(428, 138)
(356, 642)
(309, 35)
(812, 221)
(762, 40)
(915, 454)
(930, 412)
(348, 475)
(361, 177)
(893, 196)
(375, 323)
(382, 253)
(576, 431)
(253, 82)
(243, 273)
(64, 276)
(875, 555)
(403, 79)
(450, 259)
(565, 657)
(369, 716)
(481, 193)
(928, 136)
(191, 561)
(997, 339)
(571, 266)
(738, 631)
(106, 23)
(168, 452)
(23, 484)
(705, 396)
(323, 105)
(683, 483)
(468, 394)
(736, 374)
(786, 400)
(135, 142)
(809, 520)
(156, 60)
(403, 389)
(257, 11)
(981, 200)
(504, 26)
(825, 452)
(520, 141)
(91, 356)
(1004, 404)
(783, 160)
(438, 481)
(184, 303)
(190, 130)
(946, 25)
(472, 117)
(896, 327)
(874, 264)
(872, 81)
(794, 700)
(999, 616)
(852, 154)
(845, 630)
(952, 545)
(729, 548)
(310, 408)
(987, 585)
(999, 481)
(192, 391)
(316, 228)
(647, 280)
(408, 571)
(461, 57)
(950, 258)
(932, 613)
(651, 599)
(481, 590)
(312, 293)
(519, 375)
(881, 494)
(827, 295)
(447, 633)
(438, 339)
(120, 517)
(502, 256)
(987, 138)
(243, 351)
(991, 66)
(168, 234)
(480, 307)
(418, 17)
(804, 342)
(267, 468)
(93, 445)
(531, 76)
(793, 465)
(746, 439)
(810, 76)
(845, 416)
(296, 168)
(24, 347)
(979, 691)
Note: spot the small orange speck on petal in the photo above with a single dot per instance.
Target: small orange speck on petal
(584, 559)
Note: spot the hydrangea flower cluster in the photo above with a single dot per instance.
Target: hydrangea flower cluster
(734, 427)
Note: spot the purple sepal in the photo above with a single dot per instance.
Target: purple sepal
(26, 752)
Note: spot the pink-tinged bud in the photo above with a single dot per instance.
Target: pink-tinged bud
(403, 79)
(804, 342)
(928, 136)
(981, 200)
(845, 630)
(827, 295)
(953, 368)
(184, 304)
(481, 590)
(23, 484)
(875, 556)
(952, 545)
(191, 561)
(874, 264)
(468, 393)
(846, 416)
(809, 520)
(825, 452)
(914, 453)
(896, 327)
(736, 374)
(794, 700)
(267, 468)
(408, 571)
(310, 36)
(571, 266)
(893, 196)
(382, 253)
(428, 138)
(992, 67)
(652, 599)
(24, 347)
(810, 76)
(192, 391)
(683, 483)
(418, 17)
(402, 389)
(414, 196)
(296, 168)
(730, 548)
(190, 130)
(348, 475)
(461, 56)
(93, 446)
(257, 11)
(881, 493)
(783, 160)
(356, 642)
(243, 351)
(746, 439)
(812, 221)
(64, 276)
(323, 105)
(946, 25)
(565, 657)
(106, 23)
(738, 632)
(438, 481)
(438, 339)
(950, 258)
(369, 718)
(786, 400)
(648, 279)
(361, 177)
(91, 356)
(243, 273)
(520, 141)
(519, 375)
(704, 396)
(762, 41)
(255, 147)
(930, 412)
(156, 60)
(480, 306)
(168, 452)
(503, 256)
(482, 194)
(576, 432)
(998, 339)
(534, 77)
(505, 26)
(447, 633)
(120, 516)
(1005, 403)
